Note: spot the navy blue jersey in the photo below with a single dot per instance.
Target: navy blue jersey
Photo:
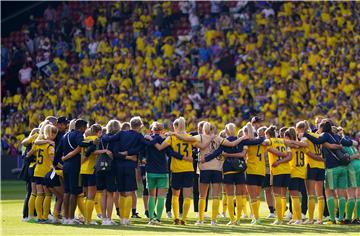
(157, 161)
(330, 160)
(68, 143)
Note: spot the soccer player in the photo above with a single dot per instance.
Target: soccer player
(255, 172)
(157, 174)
(29, 203)
(279, 157)
(297, 176)
(71, 168)
(44, 158)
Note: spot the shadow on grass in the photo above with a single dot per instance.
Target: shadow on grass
(141, 226)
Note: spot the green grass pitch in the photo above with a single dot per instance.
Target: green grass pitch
(12, 194)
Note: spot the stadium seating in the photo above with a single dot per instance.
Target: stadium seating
(302, 62)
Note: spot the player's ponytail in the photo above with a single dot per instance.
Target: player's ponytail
(49, 130)
(200, 126)
(249, 130)
(206, 128)
(179, 124)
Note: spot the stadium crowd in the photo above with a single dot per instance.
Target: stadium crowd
(120, 59)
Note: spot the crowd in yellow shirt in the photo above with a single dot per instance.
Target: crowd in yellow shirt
(302, 63)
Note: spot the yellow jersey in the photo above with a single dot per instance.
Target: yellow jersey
(44, 157)
(87, 167)
(298, 163)
(183, 148)
(316, 149)
(255, 160)
(283, 168)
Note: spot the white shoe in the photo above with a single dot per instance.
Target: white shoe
(223, 215)
(78, 222)
(230, 223)
(26, 219)
(303, 217)
(99, 216)
(206, 216)
(243, 216)
(71, 222)
(128, 222)
(51, 217)
(111, 222)
(277, 222)
(298, 222)
(169, 215)
(91, 223)
(64, 221)
(271, 216)
(213, 223)
(288, 216)
(105, 221)
(199, 223)
(197, 215)
(180, 216)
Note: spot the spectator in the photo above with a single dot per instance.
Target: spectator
(25, 74)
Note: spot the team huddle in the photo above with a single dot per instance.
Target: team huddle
(89, 167)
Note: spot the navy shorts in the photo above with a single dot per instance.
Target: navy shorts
(72, 181)
(88, 180)
(315, 174)
(297, 184)
(51, 183)
(106, 181)
(281, 180)
(182, 180)
(266, 183)
(254, 179)
(31, 174)
(39, 180)
(236, 178)
(126, 179)
(210, 176)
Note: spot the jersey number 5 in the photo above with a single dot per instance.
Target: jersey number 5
(40, 157)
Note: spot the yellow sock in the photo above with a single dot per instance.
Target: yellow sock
(311, 206)
(230, 206)
(46, 206)
(128, 206)
(283, 205)
(321, 205)
(39, 205)
(98, 203)
(186, 208)
(89, 209)
(239, 206)
(122, 206)
(175, 205)
(296, 207)
(258, 203)
(278, 207)
(224, 203)
(31, 205)
(243, 206)
(202, 205)
(255, 209)
(215, 209)
(81, 203)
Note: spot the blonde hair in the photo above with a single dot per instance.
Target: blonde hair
(72, 124)
(42, 129)
(179, 123)
(113, 126)
(88, 132)
(230, 129)
(50, 129)
(206, 128)
(136, 122)
(125, 126)
(200, 126)
(303, 125)
(156, 126)
(52, 119)
(249, 130)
